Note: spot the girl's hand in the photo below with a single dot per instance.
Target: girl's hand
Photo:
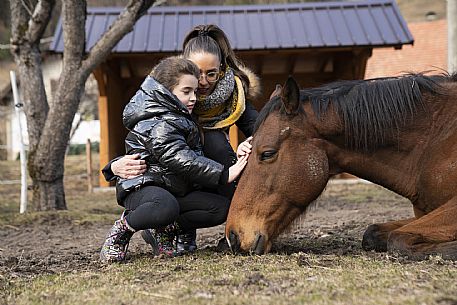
(129, 166)
(236, 169)
(244, 148)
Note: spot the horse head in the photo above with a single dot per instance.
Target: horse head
(286, 171)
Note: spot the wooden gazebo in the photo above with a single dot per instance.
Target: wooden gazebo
(315, 42)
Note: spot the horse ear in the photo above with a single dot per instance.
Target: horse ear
(276, 92)
(291, 96)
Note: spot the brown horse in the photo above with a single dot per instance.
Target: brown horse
(400, 133)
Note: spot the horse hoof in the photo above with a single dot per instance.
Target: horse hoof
(410, 245)
(374, 239)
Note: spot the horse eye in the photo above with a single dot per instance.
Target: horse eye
(267, 155)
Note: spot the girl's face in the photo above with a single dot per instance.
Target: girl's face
(185, 90)
(209, 65)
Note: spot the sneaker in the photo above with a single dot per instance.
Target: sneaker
(186, 242)
(162, 240)
(117, 242)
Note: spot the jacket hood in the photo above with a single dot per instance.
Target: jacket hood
(151, 100)
(254, 90)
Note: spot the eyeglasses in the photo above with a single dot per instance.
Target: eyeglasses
(211, 77)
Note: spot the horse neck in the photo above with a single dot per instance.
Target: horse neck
(386, 167)
(327, 124)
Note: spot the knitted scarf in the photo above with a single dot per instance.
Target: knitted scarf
(224, 106)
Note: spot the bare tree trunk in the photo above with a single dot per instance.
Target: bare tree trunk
(26, 31)
(49, 125)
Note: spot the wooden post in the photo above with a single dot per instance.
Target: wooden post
(105, 155)
(113, 95)
(89, 166)
(17, 105)
(452, 36)
(101, 78)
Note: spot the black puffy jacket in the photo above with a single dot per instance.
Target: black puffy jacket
(166, 136)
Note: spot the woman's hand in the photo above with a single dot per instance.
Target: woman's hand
(244, 148)
(236, 169)
(129, 166)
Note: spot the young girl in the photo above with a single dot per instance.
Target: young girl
(166, 198)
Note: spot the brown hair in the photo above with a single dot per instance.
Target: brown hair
(211, 39)
(168, 71)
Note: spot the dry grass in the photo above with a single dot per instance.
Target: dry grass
(209, 278)
(82, 207)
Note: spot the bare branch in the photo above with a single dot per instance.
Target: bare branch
(121, 26)
(159, 3)
(28, 9)
(19, 20)
(28, 27)
(73, 24)
(39, 20)
(42, 41)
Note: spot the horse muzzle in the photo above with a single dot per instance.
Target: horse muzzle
(259, 245)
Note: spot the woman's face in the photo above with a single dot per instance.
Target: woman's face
(207, 63)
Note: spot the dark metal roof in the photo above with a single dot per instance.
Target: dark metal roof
(257, 27)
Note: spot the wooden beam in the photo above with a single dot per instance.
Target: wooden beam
(100, 77)
(104, 136)
(111, 102)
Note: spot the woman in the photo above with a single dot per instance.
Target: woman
(225, 87)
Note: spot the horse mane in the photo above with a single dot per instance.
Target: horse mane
(369, 109)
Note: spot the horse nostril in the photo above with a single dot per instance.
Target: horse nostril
(234, 242)
(259, 245)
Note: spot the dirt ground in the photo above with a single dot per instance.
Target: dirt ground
(52, 257)
(53, 243)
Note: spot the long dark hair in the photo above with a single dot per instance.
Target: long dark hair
(211, 39)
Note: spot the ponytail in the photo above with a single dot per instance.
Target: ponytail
(211, 39)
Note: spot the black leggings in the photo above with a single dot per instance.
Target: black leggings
(152, 207)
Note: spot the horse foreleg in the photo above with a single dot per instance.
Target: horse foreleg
(432, 234)
(375, 236)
